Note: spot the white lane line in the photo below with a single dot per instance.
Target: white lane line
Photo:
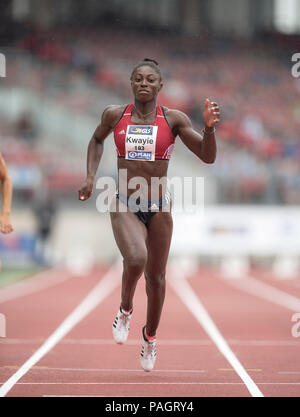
(153, 383)
(267, 292)
(108, 283)
(166, 342)
(116, 370)
(289, 372)
(129, 383)
(189, 298)
(37, 282)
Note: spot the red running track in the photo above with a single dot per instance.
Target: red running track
(86, 361)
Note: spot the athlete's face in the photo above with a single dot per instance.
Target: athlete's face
(145, 83)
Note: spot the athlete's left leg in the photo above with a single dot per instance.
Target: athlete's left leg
(158, 244)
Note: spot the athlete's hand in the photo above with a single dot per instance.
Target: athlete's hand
(211, 113)
(5, 225)
(86, 190)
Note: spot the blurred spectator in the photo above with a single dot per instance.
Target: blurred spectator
(26, 129)
(252, 125)
(45, 210)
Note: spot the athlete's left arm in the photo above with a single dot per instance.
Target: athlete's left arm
(202, 146)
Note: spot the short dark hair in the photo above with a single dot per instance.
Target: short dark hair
(150, 63)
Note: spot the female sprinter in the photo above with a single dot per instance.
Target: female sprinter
(143, 230)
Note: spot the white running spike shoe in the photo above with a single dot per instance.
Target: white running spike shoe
(120, 327)
(148, 353)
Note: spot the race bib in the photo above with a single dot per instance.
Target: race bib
(140, 142)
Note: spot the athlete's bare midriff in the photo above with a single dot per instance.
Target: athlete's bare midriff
(148, 170)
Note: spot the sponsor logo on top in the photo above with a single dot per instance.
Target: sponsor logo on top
(140, 155)
(140, 130)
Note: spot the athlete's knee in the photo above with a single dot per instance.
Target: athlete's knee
(155, 280)
(135, 264)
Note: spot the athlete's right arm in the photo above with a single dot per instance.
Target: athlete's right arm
(95, 148)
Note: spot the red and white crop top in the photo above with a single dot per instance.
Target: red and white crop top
(143, 142)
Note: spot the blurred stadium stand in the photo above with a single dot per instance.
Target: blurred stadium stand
(67, 60)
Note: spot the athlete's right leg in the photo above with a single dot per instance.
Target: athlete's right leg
(130, 235)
